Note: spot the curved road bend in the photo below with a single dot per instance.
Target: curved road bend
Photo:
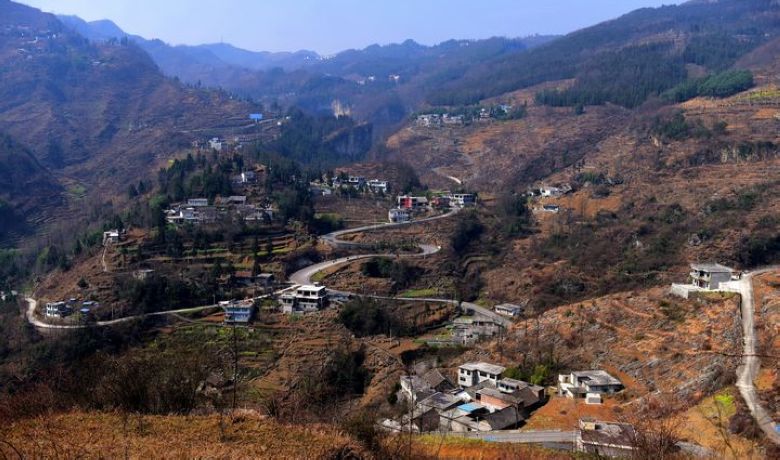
(748, 370)
(304, 276)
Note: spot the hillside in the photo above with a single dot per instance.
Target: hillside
(26, 189)
(648, 191)
(630, 58)
(98, 117)
(361, 81)
(246, 435)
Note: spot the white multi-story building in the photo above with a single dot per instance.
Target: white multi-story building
(470, 374)
(304, 299)
(398, 215)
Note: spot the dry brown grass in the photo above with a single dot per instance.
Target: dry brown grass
(97, 435)
(458, 448)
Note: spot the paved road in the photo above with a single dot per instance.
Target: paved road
(304, 276)
(546, 436)
(332, 238)
(748, 370)
(35, 321)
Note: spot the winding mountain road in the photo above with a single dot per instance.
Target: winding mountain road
(32, 304)
(748, 370)
(304, 276)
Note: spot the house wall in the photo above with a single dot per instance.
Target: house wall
(718, 278)
(493, 402)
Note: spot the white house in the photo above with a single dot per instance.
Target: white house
(470, 374)
(704, 277)
(304, 299)
(554, 192)
(248, 177)
(198, 202)
(378, 186)
(588, 384)
(509, 309)
(57, 309)
(399, 215)
(215, 144)
(111, 237)
(463, 199)
(710, 276)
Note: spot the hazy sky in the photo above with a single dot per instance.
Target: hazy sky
(328, 26)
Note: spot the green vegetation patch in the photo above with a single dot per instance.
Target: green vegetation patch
(420, 293)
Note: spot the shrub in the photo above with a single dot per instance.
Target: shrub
(366, 317)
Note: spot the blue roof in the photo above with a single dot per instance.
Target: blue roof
(470, 407)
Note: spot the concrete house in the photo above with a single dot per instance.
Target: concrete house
(553, 192)
(198, 202)
(378, 186)
(588, 384)
(418, 387)
(430, 120)
(248, 177)
(605, 439)
(412, 202)
(238, 311)
(476, 419)
(58, 310)
(509, 309)
(710, 276)
(508, 393)
(111, 237)
(463, 200)
(215, 144)
(471, 374)
(399, 215)
(470, 330)
(304, 299)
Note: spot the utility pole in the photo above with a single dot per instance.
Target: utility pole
(235, 367)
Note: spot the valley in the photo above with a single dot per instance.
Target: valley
(549, 247)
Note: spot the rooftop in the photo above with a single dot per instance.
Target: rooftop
(711, 268)
(483, 367)
(441, 401)
(597, 377)
(470, 407)
(504, 418)
(607, 433)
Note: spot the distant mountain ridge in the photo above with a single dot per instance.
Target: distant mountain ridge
(89, 117)
(172, 59)
(381, 84)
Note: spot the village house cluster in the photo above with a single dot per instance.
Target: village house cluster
(65, 308)
(409, 206)
(199, 211)
(547, 191)
(482, 400)
(466, 116)
(327, 186)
